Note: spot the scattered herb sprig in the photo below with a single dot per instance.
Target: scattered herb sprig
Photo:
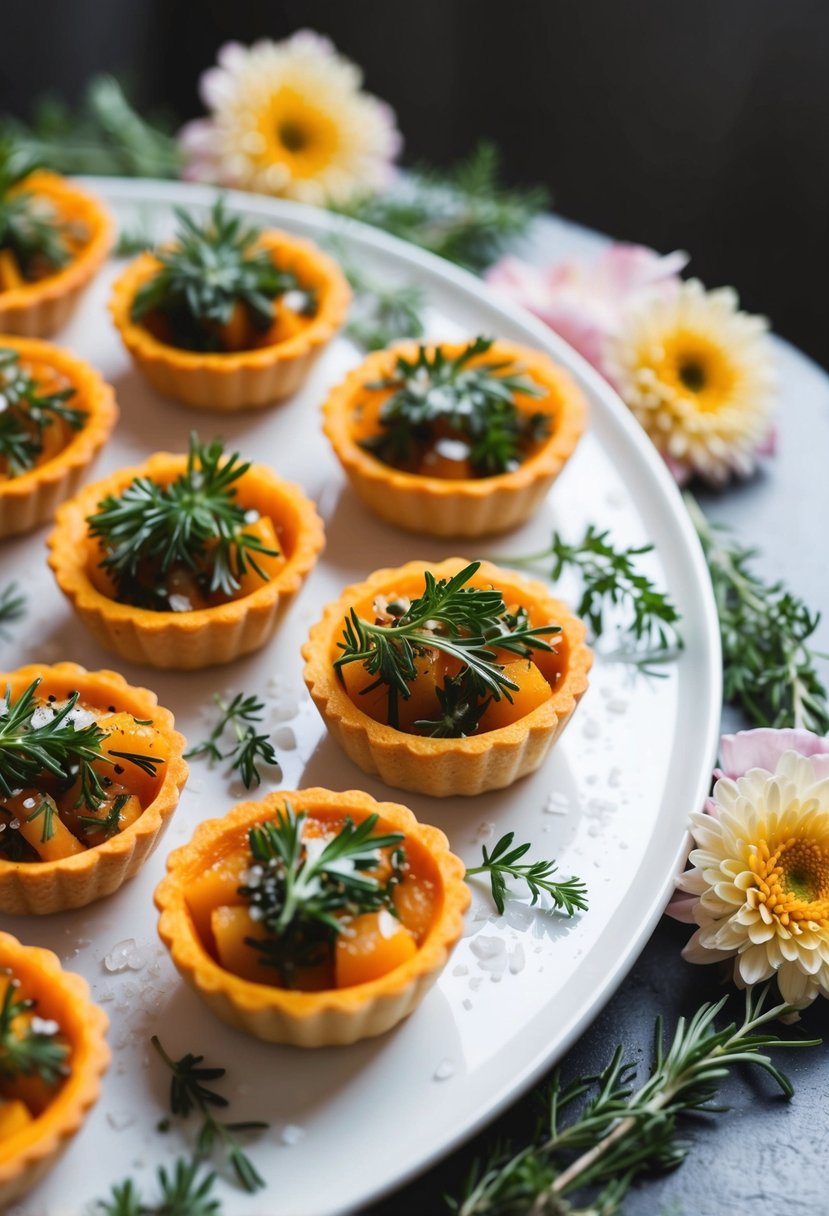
(28, 1050)
(461, 621)
(30, 228)
(12, 607)
(601, 1133)
(473, 401)
(57, 746)
(189, 1094)
(610, 577)
(504, 863)
(185, 1191)
(769, 666)
(295, 895)
(241, 715)
(27, 413)
(194, 522)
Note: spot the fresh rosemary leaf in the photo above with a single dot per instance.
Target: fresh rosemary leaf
(31, 1050)
(465, 214)
(461, 621)
(296, 894)
(30, 228)
(186, 1192)
(27, 413)
(470, 402)
(769, 668)
(249, 749)
(189, 1093)
(124, 1200)
(12, 607)
(602, 1133)
(609, 577)
(461, 711)
(109, 824)
(504, 863)
(194, 523)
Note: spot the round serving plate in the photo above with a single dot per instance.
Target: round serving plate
(610, 804)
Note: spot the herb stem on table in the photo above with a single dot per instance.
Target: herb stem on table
(241, 715)
(505, 863)
(12, 607)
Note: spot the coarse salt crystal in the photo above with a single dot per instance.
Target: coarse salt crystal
(291, 1134)
(444, 1071)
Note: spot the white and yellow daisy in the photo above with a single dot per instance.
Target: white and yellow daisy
(761, 878)
(698, 375)
(289, 118)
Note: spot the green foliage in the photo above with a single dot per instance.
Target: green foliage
(241, 716)
(27, 413)
(504, 863)
(29, 1051)
(29, 226)
(12, 607)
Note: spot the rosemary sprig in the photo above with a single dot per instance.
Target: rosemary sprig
(610, 578)
(295, 893)
(205, 272)
(105, 135)
(27, 1049)
(504, 863)
(189, 1094)
(461, 621)
(769, 666)
(57, 746)
(29, 226)
(241, 715)
(194, 522)
(464, 214)
(12, 607)
(473, 402)
(184, 1192)
(619, 1132)
(27, 413)
(381, 313)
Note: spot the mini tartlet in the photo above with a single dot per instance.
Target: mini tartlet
(42, 887)
(31, 498)
(453, 505)
(202, 636)
(444, 767)
(276, 362)
(330, 1016)
(28, 1153)
(38, 308)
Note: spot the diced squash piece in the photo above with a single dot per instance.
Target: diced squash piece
(41, 826)
(10, 276)
(31, 1090)
(215, 888)
(285, 325)
(76, 815)
(100, 577)
(230, 926)
(125, 735)
(414, 900)
(263, 529)
(14, 1116)
(533, 690)
(370, 946)
(184, 593)
(421, 704)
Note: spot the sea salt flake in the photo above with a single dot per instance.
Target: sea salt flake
(119, 1119)
(125, 955)
(516, 960)
(291, 1134)
(591, 729)
(461, 969)
(444, 1071)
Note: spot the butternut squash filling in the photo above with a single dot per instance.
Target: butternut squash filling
(217, 290)
(457, 418)
(452, 661)
(186, 545)
(33, 1058)
(315, 903)
(37, 416)
(72, 775)
(37, 239)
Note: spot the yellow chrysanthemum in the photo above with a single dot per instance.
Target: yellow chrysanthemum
(761, 874)
(697, 373)
(289, 118)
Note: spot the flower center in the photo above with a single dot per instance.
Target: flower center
(292, 136)
(692, 375)
(793, 880)
(297, 134)
(697, 367)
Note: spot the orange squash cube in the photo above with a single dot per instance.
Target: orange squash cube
(14, 1116)
(230, 925)
(370, 946)
(215, 888)
(532, 691)
(126, 735)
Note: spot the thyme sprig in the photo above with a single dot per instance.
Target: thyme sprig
(26, 1048)
(474, 402)
(601, 1133)
(241, 715)
(12, 607)
(769, 666)
(57, 746)
(205, 272)
(27, 413)
(185, 1191)
(190, 1094)
(461, 621)
(504, 864)
(30, 228)
(296, 893)
(194, 522)
(610, 578)
(464, 214)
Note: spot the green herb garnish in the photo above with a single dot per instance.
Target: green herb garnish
(27, 413)
(184, 1192)
(57, 747)
(194, 523)
(296, 895)
(206, 272)
(436, 398)
(241, 716)
(381, 313)
(189, 1094)
(30, 227)
(504, 863)
(768, 664)
(12, 607)
(33, 1048)
(463, 622)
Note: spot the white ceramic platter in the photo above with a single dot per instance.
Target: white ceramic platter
(610, 804)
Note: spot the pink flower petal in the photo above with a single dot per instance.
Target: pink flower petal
(762, 748)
